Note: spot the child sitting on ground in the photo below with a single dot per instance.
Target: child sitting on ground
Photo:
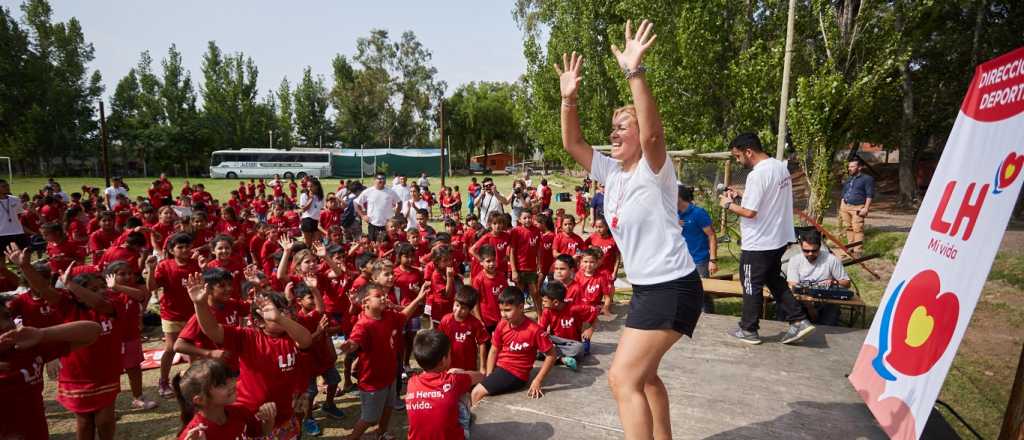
(435, 400)
(570, 325)
(514, 347)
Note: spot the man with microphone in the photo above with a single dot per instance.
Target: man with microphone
(766, 229)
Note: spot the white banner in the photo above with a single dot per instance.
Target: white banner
(936, 284)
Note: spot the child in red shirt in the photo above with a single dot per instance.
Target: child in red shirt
(175, 309)
(435, 399)
(567, 242)
(466, 333)
(489, 283)
(498, 237)
(514, 347)
(373, 336)
(121, 277)
(570, 325)
(547, 243)
(594, 288)
(207, 397)
(24, 351)
(102, 238)
(524, 256)
(268, 354)
(444, 282)
(61, 251)
(224, 258)
(581, 208)
(322, 355)
(90, 378)
(31, 308)
(408, 281)
(602, 239)
(227, 310)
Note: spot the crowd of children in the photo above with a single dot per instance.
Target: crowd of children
(262, 310)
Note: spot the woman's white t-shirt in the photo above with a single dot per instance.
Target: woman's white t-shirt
(647, 230)
(314, 208)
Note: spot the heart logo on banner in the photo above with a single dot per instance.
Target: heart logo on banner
(1008, 171)
(922, 324)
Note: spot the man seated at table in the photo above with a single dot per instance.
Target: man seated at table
(819, 268)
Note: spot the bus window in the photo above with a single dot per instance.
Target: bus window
(322, 158)
(216, 159)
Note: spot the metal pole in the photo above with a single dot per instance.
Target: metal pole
(1013, 421)
(784, 100)
(103, 145)
(728, 175)
(271, 133)
(442, 140)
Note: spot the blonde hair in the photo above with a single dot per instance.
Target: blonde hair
(628, 109)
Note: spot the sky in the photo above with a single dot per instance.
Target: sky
(470, 40)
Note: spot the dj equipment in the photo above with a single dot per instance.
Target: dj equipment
(823, 292)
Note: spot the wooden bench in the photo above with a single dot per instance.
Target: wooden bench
(720, 288)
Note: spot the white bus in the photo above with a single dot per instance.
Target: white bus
(266, 162)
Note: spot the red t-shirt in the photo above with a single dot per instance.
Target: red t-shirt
(589, 289)
(335, 294)
(330, 217)
(229, 314)
(232, 429)
(100, 240)
(34, 312)
(432, 405)
(322, 352)
(568, 244)
(236, 267)
(547, 243)
(568, 322)
(377, 349)
(130, 317)
(63, 253)
(407, 284)
(526, 243)
(175, 304)
(489, 288)
(95, 368)
(441, 299)
(545, 195)
(500, 242)
(269, 369)
(466, 336)
(21, 384)
(120, 253)
(201, 196)
(518, 346)
(256, 247)
(609, 250)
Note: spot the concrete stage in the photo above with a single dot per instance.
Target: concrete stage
(719, 389)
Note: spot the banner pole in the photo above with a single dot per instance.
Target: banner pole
(1013, 420)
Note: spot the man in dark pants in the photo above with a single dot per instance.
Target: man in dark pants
(766, 229)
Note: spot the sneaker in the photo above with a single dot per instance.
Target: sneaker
(311, 427)
(798, 332)
(332, 411)
(571, 363)
(143, 404)
(165, 390)
(744, 336)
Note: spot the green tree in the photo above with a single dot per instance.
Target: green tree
(229, 99)
(285, 118)
(311, 122)
(481, 118)
(180, 113)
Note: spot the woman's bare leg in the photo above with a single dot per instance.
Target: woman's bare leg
(633, 375)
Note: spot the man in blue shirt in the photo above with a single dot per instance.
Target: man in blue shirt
(858, 191)
(701, 241)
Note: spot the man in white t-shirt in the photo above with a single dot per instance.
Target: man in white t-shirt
(766, 229)
(11, 230)
(820, 268)
(376, 205)
(116, 188)
(402, 190)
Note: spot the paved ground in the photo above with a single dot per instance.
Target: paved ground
(719, 390)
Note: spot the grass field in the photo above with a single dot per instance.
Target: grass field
(977, 386)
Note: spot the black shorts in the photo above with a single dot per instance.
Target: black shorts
(457, 207)
(20, 239)
(500, 381)
(309, 225)
(674, 305)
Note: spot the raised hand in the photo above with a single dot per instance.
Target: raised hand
(197, 433)
(569, 76)
(324, 323)
(289, 291)
(267, 412)
(14, 254)
(251, 274)
(269, 311)
(310, 280)
(636, 45)
(286, 243)
(319, 249)
(65, 277)
(196, 287)
(111, 281)
(151, 262)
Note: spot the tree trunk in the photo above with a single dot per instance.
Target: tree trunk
(979, 20)
(907, 180)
